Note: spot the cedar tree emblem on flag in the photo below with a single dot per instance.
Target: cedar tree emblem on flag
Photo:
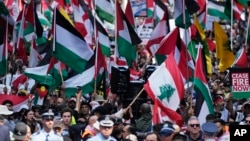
(166, 91)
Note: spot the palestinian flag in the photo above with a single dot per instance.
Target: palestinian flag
(105, 10)
(204, 104)
(181, 15)
(160, 10)
(126, 6)
(165, 87)
(150, 8)
(127, 38)
(103, 39)
(241, 59)
(237, 9)
(77, 80)
(217, 8)
(69, 42)
(51, 74)
(160, 31)
(79, 15)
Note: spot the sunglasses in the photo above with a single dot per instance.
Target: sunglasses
(195, 125)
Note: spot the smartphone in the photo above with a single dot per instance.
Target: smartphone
(78, 89)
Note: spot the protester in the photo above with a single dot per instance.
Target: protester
(21, 132)
(4, 130)
(129, 132)
(102, 98)
(8, 117)
(193, 129)
(167, 132)
(223, 133)
(144, 123)
(152, 136)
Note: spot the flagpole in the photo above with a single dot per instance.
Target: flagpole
(184, 20)
(135, 98)
(54, 30)
(96, 47)
(21, 27)
(6, 47)
(231, 41)
(248, 23)
(60, 72)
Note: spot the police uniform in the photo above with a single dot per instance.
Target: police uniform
(42, 135)
(105, 121)
(209, 130)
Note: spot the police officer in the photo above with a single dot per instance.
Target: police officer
(106, 123)
(47, 133)
(209, 131)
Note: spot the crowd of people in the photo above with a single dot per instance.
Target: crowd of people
(94, 117)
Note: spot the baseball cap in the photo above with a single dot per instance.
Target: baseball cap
(167, 130)
(106, 121)
(20, 131)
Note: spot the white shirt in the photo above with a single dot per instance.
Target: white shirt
(41, 136)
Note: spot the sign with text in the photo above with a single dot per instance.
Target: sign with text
(240, 82)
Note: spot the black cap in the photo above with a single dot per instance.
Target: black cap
(86, 103)
(48, 114)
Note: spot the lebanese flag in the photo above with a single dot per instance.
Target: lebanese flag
(18, 101)
(165, 86)
(241, 58)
